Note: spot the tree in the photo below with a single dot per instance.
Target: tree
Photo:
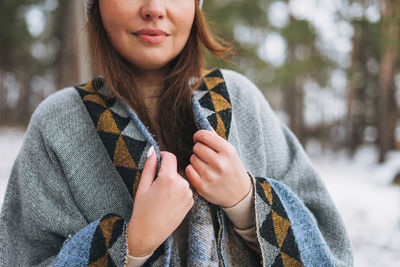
(387, 108)
(247, 23)
(56, 53)
(375, 63)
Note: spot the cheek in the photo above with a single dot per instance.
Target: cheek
(187, 18)
(184, 26)
(186, 21)
(113, 15)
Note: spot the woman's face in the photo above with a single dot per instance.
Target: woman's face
(148, 33)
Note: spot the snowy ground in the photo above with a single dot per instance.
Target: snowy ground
(368, 203)
(10, 143)
(361, 189)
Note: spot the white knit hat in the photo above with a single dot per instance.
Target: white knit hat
(89, 5)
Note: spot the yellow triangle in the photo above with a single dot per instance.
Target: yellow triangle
(212, 82)
(220, 127)
(96, 99)
(289, 261)
(281, 226)
(205, 72)
(103, 261)
(268, 192)
(122, 157)
(88, 87)
(106, 227)
(107, 123)
(136, 184)
(220, 103)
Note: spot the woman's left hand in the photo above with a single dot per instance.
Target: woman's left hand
(216, 171)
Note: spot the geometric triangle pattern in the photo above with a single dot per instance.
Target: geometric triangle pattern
(124, 151)
(106, 234)
(216, 105)
(276, 228)
(217, 101)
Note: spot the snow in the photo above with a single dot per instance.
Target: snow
(10, 143)
(360, 188)
(367, 201)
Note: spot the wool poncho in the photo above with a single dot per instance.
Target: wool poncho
(72, 187)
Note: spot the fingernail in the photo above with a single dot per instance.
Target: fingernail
(150, 152)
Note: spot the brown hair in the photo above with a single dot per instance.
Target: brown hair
(174, 112)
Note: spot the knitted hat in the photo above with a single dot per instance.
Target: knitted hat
(89, 4)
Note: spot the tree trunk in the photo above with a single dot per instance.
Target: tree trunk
(22, 110)
(3, 98)
(356, 91)
(73, 61)
(294, 106)
(387, 109)
(294, 96)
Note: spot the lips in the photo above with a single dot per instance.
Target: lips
(151, 32)
(151, 36)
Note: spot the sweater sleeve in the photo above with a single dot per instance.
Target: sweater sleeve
(40, 223)
(243, 220)
(137, 261)
(296, 221)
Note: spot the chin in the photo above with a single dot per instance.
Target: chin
(151, 66)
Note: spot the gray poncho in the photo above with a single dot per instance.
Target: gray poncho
(71, 190)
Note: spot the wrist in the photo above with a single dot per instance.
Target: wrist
(241, 215)
(136, 247)
(242, 195)
(138, 251)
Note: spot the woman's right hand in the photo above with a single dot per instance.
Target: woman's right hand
(159, 207)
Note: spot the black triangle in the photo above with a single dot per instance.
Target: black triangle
(214, 73)
(277, 205)
(128, 177)
(95, 111)
(267, 230)
(212, 119)
(278, 261)
(111, 262)
(110, 101)
(116, 231)
(222, 90)
(226, 116)
(98, 245)
(98, 83)
(289, 245)
(260, 192)
(110, 142)
(206, 102)
(121, 122)
(135, 148)
(82, 93)
(202, 87)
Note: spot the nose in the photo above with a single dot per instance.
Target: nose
(153, 9)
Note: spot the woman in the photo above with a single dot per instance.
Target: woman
(94, 184)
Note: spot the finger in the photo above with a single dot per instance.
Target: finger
(210, 139)
(168, 163)
(149, 170)
(198, 164)
(193, 176)
(205, 153)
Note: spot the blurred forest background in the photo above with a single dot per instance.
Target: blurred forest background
(329, 68)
